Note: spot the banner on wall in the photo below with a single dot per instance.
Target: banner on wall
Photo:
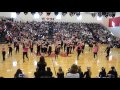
(114, 26)
(47, 19)
(114, 22)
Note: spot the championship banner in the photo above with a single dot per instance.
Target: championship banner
(114, 26)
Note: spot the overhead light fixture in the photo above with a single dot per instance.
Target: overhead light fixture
(58, 16)
(32, 13)
(56, 13)
(99, 14)
(79, 17)
(113, 14)
(78, 13)
(17, 13)
(13, 15)
(72, 14)
(48, 13)
(40, 13)
(25, 13)
(93, 14)
(99, 18)
(64, 13)
(36, 15)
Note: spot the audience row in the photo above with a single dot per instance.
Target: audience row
(74, 72)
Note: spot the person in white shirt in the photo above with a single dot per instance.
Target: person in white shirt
(73, 73)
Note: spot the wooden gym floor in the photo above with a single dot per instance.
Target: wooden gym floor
(9, 67)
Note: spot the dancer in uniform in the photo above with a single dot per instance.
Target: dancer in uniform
(61, 44)
(17, 47)
(10, 49)
(68, 49)
(90, 46)
(108, 52)
(3, 52)
(49, 49)
(56, 52)
(83, 46)
(31, 47)
(15, 42)
(45, 48)
(70, 44)
(25, 52)
(95, 50)
(38, 48)
(65, 45)
(79, 49)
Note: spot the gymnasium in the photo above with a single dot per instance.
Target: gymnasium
(59, 44)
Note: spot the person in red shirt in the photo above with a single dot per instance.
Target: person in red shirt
(95, 50)
(3, 52)
(25, 52)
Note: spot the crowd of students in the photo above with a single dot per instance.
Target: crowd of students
(60, 30)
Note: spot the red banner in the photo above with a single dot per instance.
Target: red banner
(113, 22)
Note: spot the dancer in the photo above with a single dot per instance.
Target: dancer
(25, 52)
(83, 47)
(17, 47)
(45, 48)
(31, 47)
(49, 49)
(38, 48)
(61, 44)
(56, 52)
(90, 46)
(71, 48)
(95, 50)
(74, 46)
(42, 47)
(10, 49)
(79, 49)
(3, 52)
(68, 49)
(108, 52)
(65, 45)
(15, 42)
